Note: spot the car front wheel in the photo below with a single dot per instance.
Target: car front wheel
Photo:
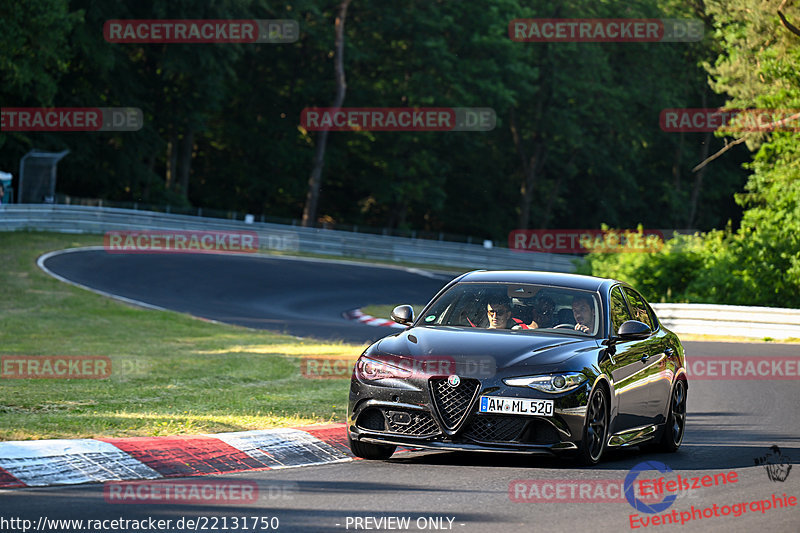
(366, 450)
(595, 429)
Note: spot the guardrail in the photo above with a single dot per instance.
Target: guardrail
(733, 320)
(704, 319)
(279, 237)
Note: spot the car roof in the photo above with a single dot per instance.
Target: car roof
(558, 279)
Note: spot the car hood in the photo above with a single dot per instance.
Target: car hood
(506, 348)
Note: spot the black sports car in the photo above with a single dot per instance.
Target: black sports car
(517, 361)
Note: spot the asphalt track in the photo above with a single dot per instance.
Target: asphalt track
(302, 297)
(729, 425)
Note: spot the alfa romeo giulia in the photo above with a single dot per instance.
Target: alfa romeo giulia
(526, 362)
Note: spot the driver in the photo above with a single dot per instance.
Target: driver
(498, 311)
(583, 310)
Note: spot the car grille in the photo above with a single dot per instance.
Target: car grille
(495, 428)
(411, 423)
(452, 403)
(420, 424)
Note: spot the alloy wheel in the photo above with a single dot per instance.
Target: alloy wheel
(678, 410)
(598, 426)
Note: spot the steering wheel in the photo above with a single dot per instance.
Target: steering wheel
(571, 326)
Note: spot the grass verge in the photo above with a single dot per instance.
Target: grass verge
(385, 310)
(171, 373)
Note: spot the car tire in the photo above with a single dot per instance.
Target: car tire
(366, 450)
(672, 436)
(595, 428)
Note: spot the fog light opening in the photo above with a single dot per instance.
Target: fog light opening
(401, 419)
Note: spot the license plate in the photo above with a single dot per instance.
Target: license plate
(515, 406)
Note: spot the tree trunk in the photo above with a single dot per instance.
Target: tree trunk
(698, 183)
(172, 161)
(315, 180)
(185, 162)
(151, 164)
(554, 193)
(698, 177)
(530, 170)
(676, 181)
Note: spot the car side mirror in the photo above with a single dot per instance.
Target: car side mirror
(403, 314)
(633, 330)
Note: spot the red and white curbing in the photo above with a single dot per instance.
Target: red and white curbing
(65, 462)
(369, 320)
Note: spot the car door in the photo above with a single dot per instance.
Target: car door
(631, 371)
(659, 379)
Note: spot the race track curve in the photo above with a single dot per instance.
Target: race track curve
(730, 424)
(302, 297)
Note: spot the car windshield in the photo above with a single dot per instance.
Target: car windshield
(519, 307)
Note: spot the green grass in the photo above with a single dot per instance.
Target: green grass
(385, 310)
(172, 374)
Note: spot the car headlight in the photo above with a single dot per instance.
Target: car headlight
(549, 382)
(372, 369)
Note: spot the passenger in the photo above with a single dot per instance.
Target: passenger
(583, 310)
(543, 313)
(543, 317)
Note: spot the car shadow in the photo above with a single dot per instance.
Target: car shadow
(688, 457)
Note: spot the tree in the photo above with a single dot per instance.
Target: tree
(312, 199)
(759, 264)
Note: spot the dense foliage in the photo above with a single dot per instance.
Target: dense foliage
(577, 142)
(759, 264)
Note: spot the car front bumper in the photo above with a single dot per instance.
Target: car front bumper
(404, 414)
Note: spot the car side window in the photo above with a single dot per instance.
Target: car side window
(653, 317)
(639, 307)
(619, 310)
